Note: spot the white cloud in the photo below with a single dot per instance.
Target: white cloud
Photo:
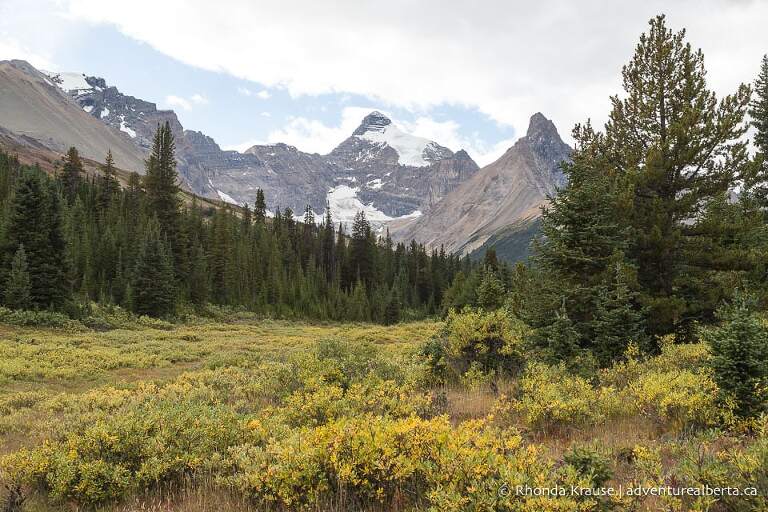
(12, 49)
(507, 59)
(178, 101)
(174, 101)
(199, 99)
(263, 94)
(265, 114)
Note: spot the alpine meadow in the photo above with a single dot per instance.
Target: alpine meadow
(589, 335)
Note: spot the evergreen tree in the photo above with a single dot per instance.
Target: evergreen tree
(392, 310)
(362, 249)
(740, 357)
(490, 291)
(199, 287)
(109, 183)
(18, 288)
(260, 207)
(34, 221)
(560, 339)
(759, 108)
(153, 290)
(161, 183)
(618, 320)
(71, 173)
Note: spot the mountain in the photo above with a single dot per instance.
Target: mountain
(32, 106)
(508, 192)
(379, 168)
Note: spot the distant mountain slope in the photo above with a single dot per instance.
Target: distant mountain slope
(379, 168)
(507, 192)
(513, 243)
(32, 105)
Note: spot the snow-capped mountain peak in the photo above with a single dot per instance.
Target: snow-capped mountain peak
(411, 150)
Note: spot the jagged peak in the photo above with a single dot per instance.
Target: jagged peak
(539, 126)
(375, 121)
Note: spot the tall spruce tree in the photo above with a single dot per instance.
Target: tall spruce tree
(109, 185)
(71, 173)
(18, 289)
(759, 108)
(153, 285)
(161, 184)
(260, 207)
(34, 221)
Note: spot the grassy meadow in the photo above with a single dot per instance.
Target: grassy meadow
(241, 413)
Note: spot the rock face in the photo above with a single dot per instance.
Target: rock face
(400, 174)
(509, 191)
(31, 105)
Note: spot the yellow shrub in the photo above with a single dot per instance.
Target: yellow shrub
(551, 397)
(396, 463)
(492, 340)
(677, 399)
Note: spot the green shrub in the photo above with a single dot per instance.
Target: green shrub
(590, 464)
(25, 318)
(740, 358)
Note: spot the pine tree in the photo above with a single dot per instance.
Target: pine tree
(34, 221)
(199, 287)
(682, 149)
(361, 249)
(153, 288)
(18, 288)
(71, 173)
(260, 207)
(740, 357)
(109, 183)
(161, 183)
(560, 339)
(618, 320)
(328, 245)
(490, 291)
(392, 309)
(759, 108)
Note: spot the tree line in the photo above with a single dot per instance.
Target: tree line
(70, 239)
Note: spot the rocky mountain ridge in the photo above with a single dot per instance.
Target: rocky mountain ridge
(507, 192)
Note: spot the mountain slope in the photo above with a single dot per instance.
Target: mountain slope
(32, 105)
(509, 191)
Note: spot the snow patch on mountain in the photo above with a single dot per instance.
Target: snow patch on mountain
(88, 108)
(124, 128)
(345, 205)
(411, 149)
(69, 82)
(226, 197)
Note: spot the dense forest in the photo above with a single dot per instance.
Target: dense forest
(71, 239)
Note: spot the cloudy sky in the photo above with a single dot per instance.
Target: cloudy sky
(466, 73)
